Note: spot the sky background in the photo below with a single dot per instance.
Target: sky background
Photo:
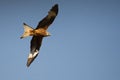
(85, 41)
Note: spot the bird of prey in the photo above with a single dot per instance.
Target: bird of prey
(39, 33)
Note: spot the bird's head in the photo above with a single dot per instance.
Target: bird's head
(48, 34)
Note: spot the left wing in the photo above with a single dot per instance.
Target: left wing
(34, 49)
(44, 23)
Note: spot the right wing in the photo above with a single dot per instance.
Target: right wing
(34, 49)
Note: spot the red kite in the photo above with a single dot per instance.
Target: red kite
(39, 33)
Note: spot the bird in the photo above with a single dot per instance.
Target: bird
(39, 33)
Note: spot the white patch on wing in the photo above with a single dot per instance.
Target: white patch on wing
(33, 55)
(30, 55)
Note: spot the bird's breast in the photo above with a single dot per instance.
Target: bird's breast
(40, 31)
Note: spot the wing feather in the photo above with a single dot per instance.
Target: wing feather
(36, 43)
(45, 22)
(34, 49)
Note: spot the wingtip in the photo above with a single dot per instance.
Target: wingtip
(54, 9)
(56, 5)
(31, 58)
(29, 61)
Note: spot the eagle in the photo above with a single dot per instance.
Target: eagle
(39, 33)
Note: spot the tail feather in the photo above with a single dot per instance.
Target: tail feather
(27, 27)
(31, 58)
(27, 30)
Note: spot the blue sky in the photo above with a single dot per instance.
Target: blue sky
(85, 41)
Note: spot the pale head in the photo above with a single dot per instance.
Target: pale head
(48, 34)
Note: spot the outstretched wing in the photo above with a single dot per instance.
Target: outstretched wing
(34, 49)
(45, 22)
(36, 43)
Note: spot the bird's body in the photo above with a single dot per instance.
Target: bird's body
(39, 33)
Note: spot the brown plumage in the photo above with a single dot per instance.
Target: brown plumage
(39, 33)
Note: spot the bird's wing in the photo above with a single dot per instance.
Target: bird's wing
(45, 22)
(34, 49)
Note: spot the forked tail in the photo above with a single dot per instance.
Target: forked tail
(27, 30)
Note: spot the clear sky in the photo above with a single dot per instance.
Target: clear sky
(85, 41)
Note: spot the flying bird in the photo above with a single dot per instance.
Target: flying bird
(39, 33)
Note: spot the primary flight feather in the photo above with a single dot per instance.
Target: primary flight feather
(39, 33)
